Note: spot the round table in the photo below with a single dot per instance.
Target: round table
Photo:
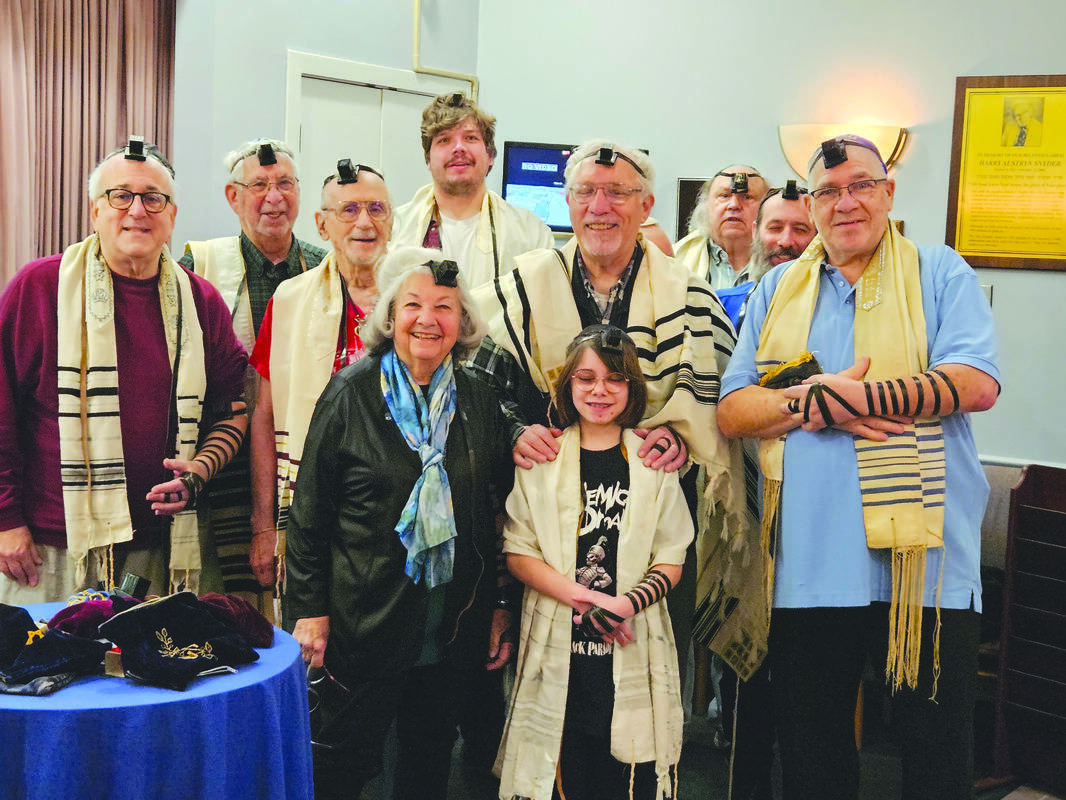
(244, 735)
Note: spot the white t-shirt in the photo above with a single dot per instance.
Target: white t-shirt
(457, 242)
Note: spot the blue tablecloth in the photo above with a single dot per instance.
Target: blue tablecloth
(227, 737)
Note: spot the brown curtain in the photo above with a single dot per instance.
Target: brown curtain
(82, 75)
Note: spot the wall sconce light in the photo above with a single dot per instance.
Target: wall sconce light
(799, 141)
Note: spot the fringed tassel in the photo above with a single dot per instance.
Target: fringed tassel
(279, 574)
(190, 582)
(905, 618)
(936, 630)
(111, 567)
(771, 496)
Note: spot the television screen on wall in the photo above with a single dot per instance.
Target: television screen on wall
(533, 180)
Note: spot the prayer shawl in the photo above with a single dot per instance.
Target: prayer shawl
(503, 231)
(90, 433)
(220, 262)
(901, 480)
(427, 523)
(307, 314)
(543, 518)
(681, 331)
(692, 252)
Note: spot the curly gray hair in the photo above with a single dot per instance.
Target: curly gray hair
(399, 265)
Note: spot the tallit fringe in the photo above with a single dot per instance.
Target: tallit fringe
(184, 579)
(905, 619)
(279, 574)
(771, 497)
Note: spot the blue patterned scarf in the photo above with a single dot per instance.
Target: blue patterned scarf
(427, 524)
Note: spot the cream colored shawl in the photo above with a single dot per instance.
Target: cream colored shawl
(684, 339)
(90, 433)
(221, 263)
(901, 480)
(543, 516)
(306, 320)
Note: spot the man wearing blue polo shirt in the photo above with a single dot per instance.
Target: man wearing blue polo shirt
(873, 494)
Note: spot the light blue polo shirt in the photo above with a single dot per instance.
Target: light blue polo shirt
(822, 558)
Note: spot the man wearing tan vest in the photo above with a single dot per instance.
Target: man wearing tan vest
(263, 189)
(873, 491)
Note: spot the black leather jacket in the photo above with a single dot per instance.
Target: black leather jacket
(344, 558)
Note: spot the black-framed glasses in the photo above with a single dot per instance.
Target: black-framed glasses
(121, 199)
(860, 190)
(587, 380)
(616, 193)
(349, 212)
(260, 187)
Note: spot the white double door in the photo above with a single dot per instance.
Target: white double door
(372, 115)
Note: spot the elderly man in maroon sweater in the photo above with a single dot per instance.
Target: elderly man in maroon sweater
(120, 396)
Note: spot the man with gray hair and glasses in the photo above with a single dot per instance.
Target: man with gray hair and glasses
(310, 332)
(608, 274)
(873, 490)
(718, 247)
(120, 398)
(263, 189)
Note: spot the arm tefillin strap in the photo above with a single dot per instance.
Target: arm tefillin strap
(650, 590)
(890, 397)
(950, 385)
(599, 622)
(194, 484)
(221, 443)
(816, 395)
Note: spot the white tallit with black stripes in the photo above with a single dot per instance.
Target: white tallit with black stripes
(684, 340)
(90, 434)
(682, 333)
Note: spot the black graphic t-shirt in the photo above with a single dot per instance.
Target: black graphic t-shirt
(605, 488)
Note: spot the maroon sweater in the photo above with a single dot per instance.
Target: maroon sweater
(30, 490)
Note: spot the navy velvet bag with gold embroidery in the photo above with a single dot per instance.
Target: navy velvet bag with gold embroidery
(169, 641)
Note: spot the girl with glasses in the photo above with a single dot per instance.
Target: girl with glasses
(598, 539)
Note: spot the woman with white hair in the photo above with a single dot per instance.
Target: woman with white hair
(392, 546)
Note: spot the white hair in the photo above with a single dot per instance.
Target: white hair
(591, 147)
(234, 160)
(698, 221)
(399, 265)
(95, 190)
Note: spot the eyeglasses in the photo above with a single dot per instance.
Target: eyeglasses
(258, 188)
(121, 199)
(349, 212)
(587, 381)
(860, 190)
(616, 193)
